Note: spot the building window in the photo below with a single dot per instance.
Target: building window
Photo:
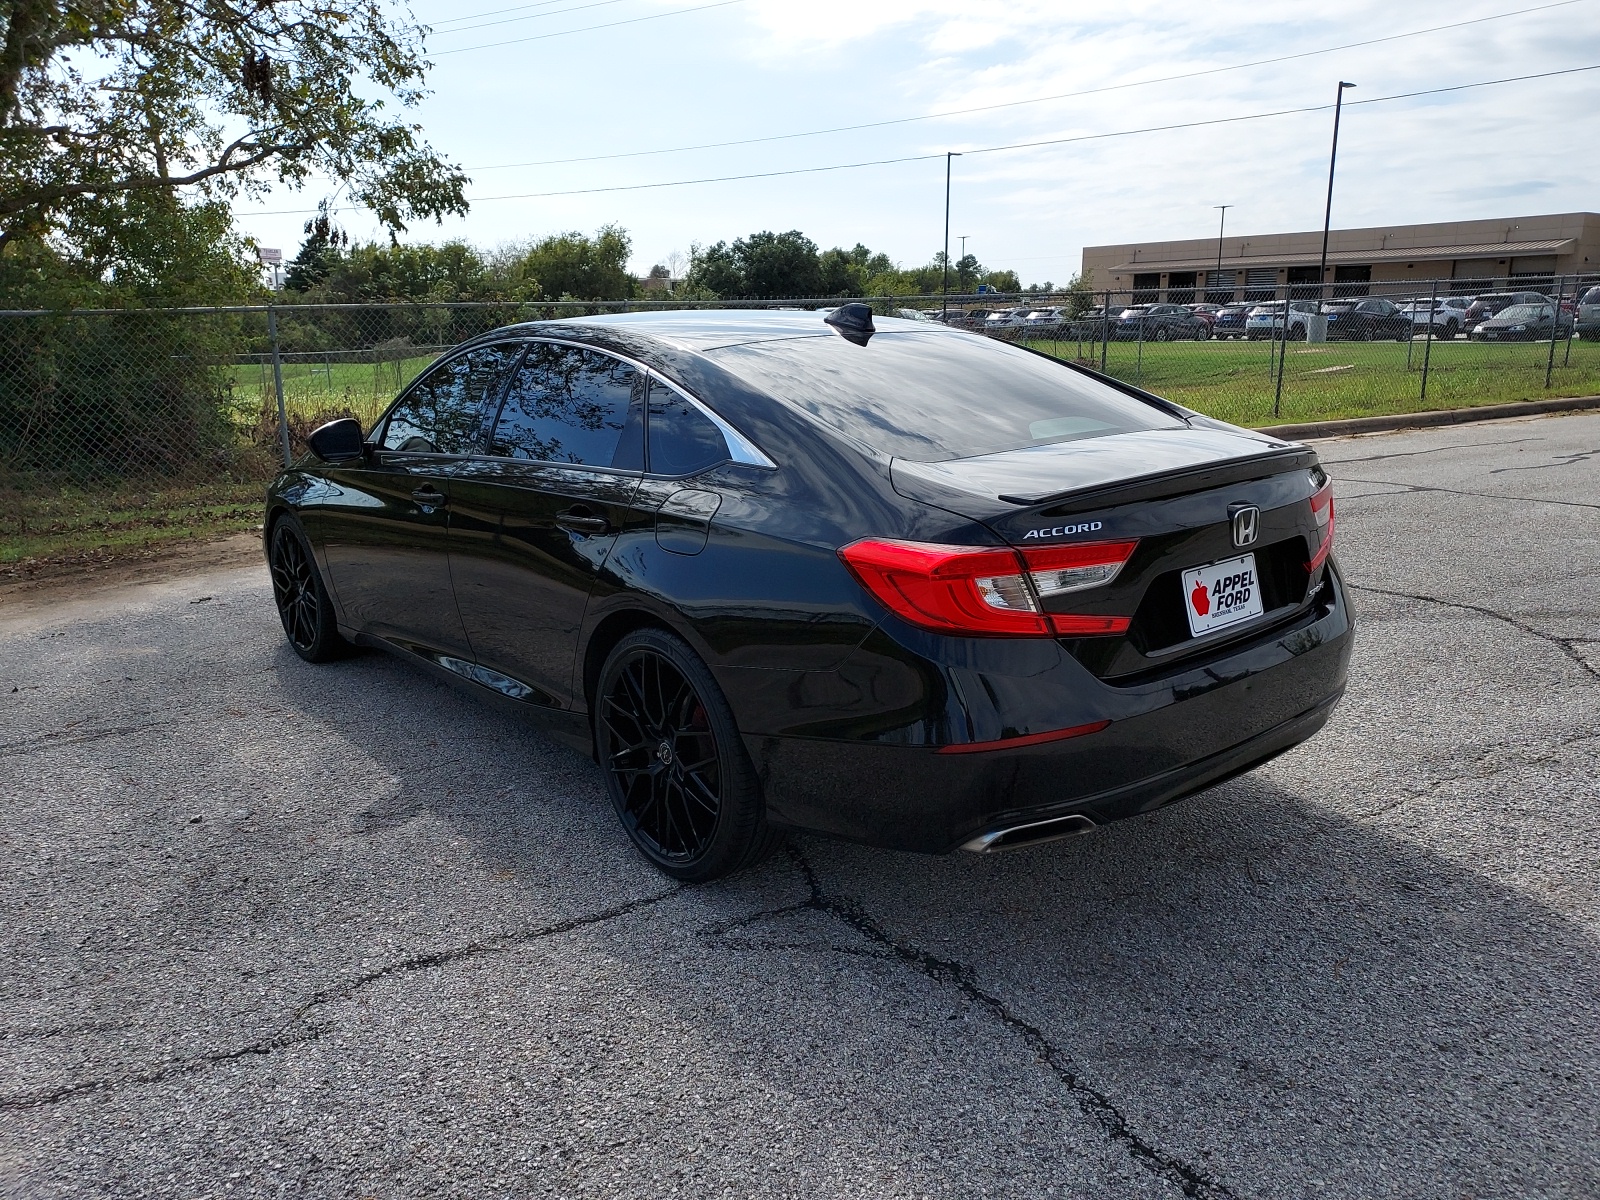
(1352, 281)
(1147, 287)
(1260, 284)
(1303, 283)
(1180, 287)
(1219, 287)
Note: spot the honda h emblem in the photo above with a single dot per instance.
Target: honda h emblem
(1246, 523)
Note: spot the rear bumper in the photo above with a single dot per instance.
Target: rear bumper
(1166, 739)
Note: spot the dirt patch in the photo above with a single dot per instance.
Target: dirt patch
(75, 576)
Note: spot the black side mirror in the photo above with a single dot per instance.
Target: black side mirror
(337, 441)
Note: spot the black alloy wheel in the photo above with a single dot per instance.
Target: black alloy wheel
(303, 606)
(676, 770)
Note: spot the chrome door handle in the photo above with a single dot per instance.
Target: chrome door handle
(428, 497)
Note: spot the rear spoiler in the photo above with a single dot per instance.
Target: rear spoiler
(1173, 483)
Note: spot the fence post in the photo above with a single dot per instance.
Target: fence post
(1138, 362)
(1105, 329)
(1555, 328)
(277, 382)
(1572, 330)
(1283, 355)
(1427, 346)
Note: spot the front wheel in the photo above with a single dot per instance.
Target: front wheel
(676, 768)
(302, 600)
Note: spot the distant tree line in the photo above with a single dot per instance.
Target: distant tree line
(576, 266)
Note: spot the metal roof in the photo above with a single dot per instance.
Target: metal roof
(1299, 258)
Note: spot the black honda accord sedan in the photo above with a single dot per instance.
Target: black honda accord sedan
(887, 581)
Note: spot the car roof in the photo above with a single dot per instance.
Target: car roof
(707, 329)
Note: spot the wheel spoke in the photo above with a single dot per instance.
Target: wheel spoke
(668, 801)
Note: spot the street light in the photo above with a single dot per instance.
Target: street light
(1221, 223)
(944, 308)
(1327, 213)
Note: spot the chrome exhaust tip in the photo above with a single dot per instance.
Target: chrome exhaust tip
(1032, 834)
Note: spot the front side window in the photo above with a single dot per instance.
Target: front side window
(443, 412)
(683, 440)
(567, 405)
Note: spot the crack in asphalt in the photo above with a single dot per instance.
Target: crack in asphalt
(1422, 487)
(1567, 646)
(49, 741)
(1560, 460)
(1550, 754)
(281, 1041)
(1092, 1102)
(1335, 462)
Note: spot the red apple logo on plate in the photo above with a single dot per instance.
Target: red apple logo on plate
(1200, 598)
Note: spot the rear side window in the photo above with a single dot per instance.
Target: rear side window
(683, 441)
(937, 396)
(444, 411)
(567, 405)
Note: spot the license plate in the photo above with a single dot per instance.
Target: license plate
(1221, 594)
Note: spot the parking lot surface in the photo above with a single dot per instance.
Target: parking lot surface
(272, 929)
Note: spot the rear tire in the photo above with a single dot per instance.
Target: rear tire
(676, 769)
(303, 605)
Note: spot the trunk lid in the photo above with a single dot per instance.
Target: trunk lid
(1176, 491)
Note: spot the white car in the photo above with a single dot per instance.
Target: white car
(1044, 316)
(913, 314)
(1267, 320)
(1445, 317)
(1007, 319)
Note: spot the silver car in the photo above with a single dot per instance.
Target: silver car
(1589, 314)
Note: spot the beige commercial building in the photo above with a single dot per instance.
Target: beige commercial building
(1466, 256)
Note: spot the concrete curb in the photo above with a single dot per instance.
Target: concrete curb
(1428, 420)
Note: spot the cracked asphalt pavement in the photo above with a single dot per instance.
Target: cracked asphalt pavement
(279, 930)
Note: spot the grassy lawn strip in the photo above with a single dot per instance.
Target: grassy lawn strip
(43, 529)
(1235, 381)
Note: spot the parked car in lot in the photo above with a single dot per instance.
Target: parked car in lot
(778, 571)
(1044, 318)
(1367, 320)
(1089, 325)
(1160, 323)
(1205, 311)
(1524, 323)
(1588, 315)
(1493, 304)
(1006, 318)
(1230, 321)
(1444, 319)
(1269, 320)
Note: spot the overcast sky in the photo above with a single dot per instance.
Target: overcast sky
(756, 68)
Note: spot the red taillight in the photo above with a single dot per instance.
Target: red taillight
(1322, 514)
(987, 592)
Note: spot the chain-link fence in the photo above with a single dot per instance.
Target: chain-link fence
(202, 393)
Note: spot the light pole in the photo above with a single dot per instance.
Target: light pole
(1221, 224)
(944, 308)
(1327, 213)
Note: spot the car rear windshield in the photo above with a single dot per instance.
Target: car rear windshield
(932, 397)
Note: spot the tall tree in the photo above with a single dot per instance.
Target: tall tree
(582, 267)
(104, 99)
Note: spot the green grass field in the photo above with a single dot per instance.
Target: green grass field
(1236, 380)
(311, 388)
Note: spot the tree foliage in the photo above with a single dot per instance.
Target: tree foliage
(567, 265)
(771, 266)
(105, 100)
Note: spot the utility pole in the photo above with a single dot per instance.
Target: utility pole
(1221, 225)
(1327, 213)
(944, 311)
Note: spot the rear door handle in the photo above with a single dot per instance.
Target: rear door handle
(581, 520)
(428, 496)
